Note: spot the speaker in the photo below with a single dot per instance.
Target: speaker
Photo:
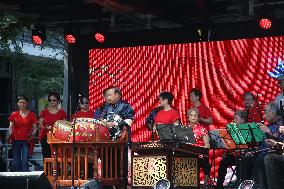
(91, 184)
(24, 180)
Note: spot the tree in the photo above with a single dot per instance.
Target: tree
(10, 28)
(37, 77)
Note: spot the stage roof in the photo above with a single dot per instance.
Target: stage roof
(85, 16)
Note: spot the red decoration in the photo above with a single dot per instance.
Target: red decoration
(223, 70)
(100, 37)
(265, 23)
(70, 38)
(36, 40)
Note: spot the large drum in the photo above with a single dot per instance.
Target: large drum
(85, 130)
(108, 133)
(62, 130)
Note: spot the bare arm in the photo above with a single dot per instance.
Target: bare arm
(40, 123)
(34, 129)
(10, 128)
(206, 141)
(176, 122)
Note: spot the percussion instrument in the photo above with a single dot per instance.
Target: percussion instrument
(85, 130)
(112, 133)
(62, 130)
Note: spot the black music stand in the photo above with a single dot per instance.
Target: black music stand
(221, 139)
(166, 132)
(176, 134)
(216, 140)
(185, 135)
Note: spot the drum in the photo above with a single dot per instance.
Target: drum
(108, 133)
(85, 130)
(62, 130)
(103, 132)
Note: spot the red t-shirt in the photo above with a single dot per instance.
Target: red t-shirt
(199, 131)
(50, 119)
(22, 127)
(88, 114)
(204, 113)
(167, 117)
(254, 114)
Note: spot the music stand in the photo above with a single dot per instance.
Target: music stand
(175, 133)
(185, 134)
(251, 132)
(236, 134)
(220, 138)
(166, 132)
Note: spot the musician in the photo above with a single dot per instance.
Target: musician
(47, 118)
(272, 133)
(280, 97)
(229, 159)
(274, 167)
(115, 107)
(252, 108)
(23, 127)
(205, 118)
(117, 112)
(201, 139)
(168, 115)
(84, 111)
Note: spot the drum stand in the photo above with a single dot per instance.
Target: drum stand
(74, 143)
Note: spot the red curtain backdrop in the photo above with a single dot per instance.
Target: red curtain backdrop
(223, 70)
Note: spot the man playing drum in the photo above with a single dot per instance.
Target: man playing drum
(117, 114)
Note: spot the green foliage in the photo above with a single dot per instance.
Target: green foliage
(35, 78)
(10, 28)
(13, 29)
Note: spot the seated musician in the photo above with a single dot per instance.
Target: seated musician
(116, 112)
(168, 115)
(201, 139)
(274, 167)
(230, 158)
(272, 134)
(118, 116)
(84, 111)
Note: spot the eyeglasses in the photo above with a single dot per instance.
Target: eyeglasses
(82, 103)
(52, 100)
